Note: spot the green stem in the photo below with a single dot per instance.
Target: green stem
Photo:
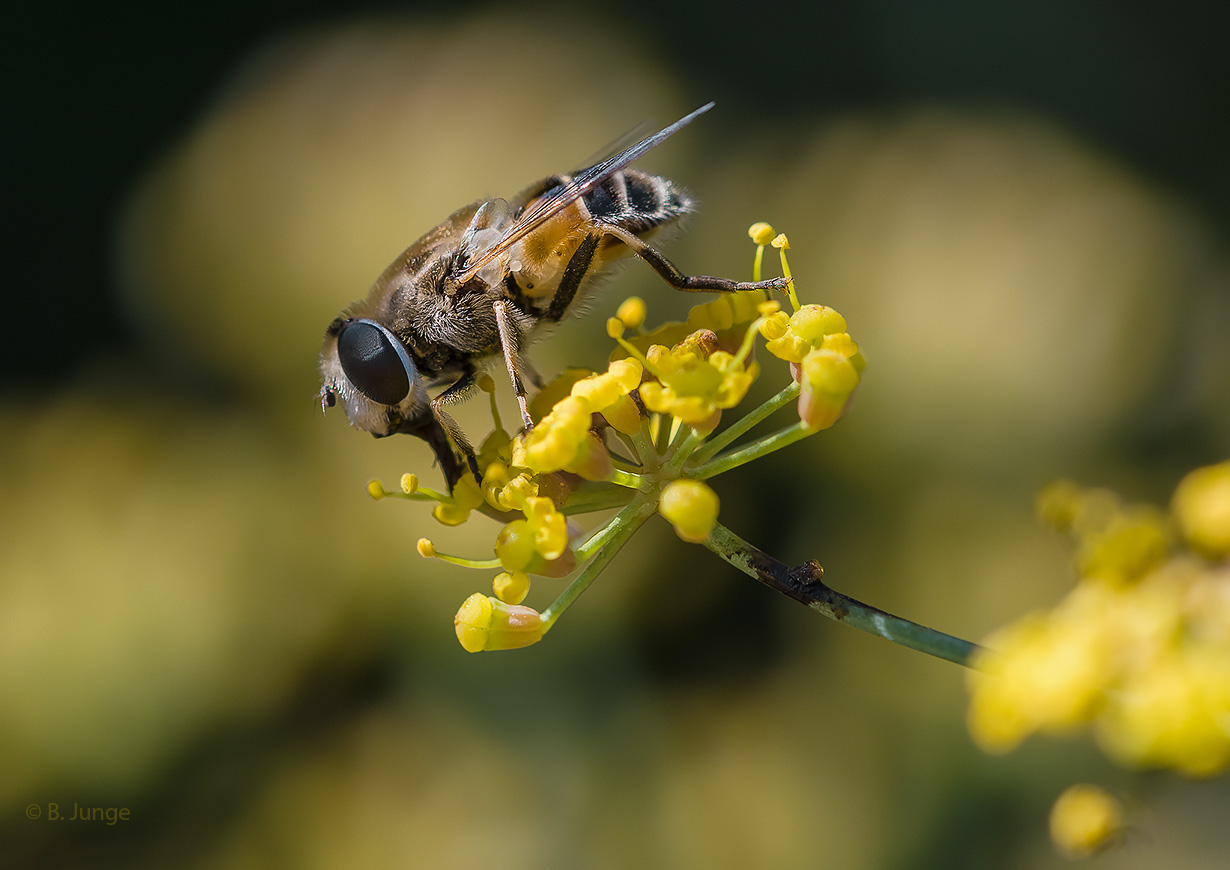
(614, 536)
(625, 479)
(752, 452)
(794, 300)
(745, 423)
(597, 540)
(681, 452)
(467, 563)
(803, 584)
(646, 450)
(595, 496)
(417, 495)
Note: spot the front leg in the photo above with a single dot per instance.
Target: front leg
(448, 426)
(441, 433)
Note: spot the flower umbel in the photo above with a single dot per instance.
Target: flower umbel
(640, 437)
(1139, 650)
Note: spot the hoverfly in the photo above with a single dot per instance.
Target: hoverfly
(486, 282)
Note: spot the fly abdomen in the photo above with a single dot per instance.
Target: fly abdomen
(637, 201)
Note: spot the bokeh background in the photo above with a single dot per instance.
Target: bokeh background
(1021, 209)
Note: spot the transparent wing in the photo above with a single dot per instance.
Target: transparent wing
(618, 145)
(548, 207)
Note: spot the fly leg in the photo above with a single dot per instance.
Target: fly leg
(574, 273)
(441, 424)
(512, 359)
(671, 274)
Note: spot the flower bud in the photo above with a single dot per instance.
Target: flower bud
(812, 322)
(514, 546)
(691, 507)
(598, 391)
(627, 373)
(1058, 503)
(761, 233)
(548, 525)
(623, 415)
(450, 514)
(486, 623)
(775, 325)
(467, 495)
(511, 588)
(632, 312)
(592, 460)
(828, 383)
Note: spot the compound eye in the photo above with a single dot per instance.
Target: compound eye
(375, 362)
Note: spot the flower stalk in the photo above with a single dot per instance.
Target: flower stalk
(804, 584)
(612, 538)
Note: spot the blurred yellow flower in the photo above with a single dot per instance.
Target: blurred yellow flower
(1085, 820)
(1202, 507)
(1139, 651)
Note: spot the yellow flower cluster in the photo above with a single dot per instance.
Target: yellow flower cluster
(792, 337)
(695, 380)
(537, 544)
(542, 536)
(1116, 543)
(1139, 650)
(823, 358)
(563, 440)
(727, 317)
